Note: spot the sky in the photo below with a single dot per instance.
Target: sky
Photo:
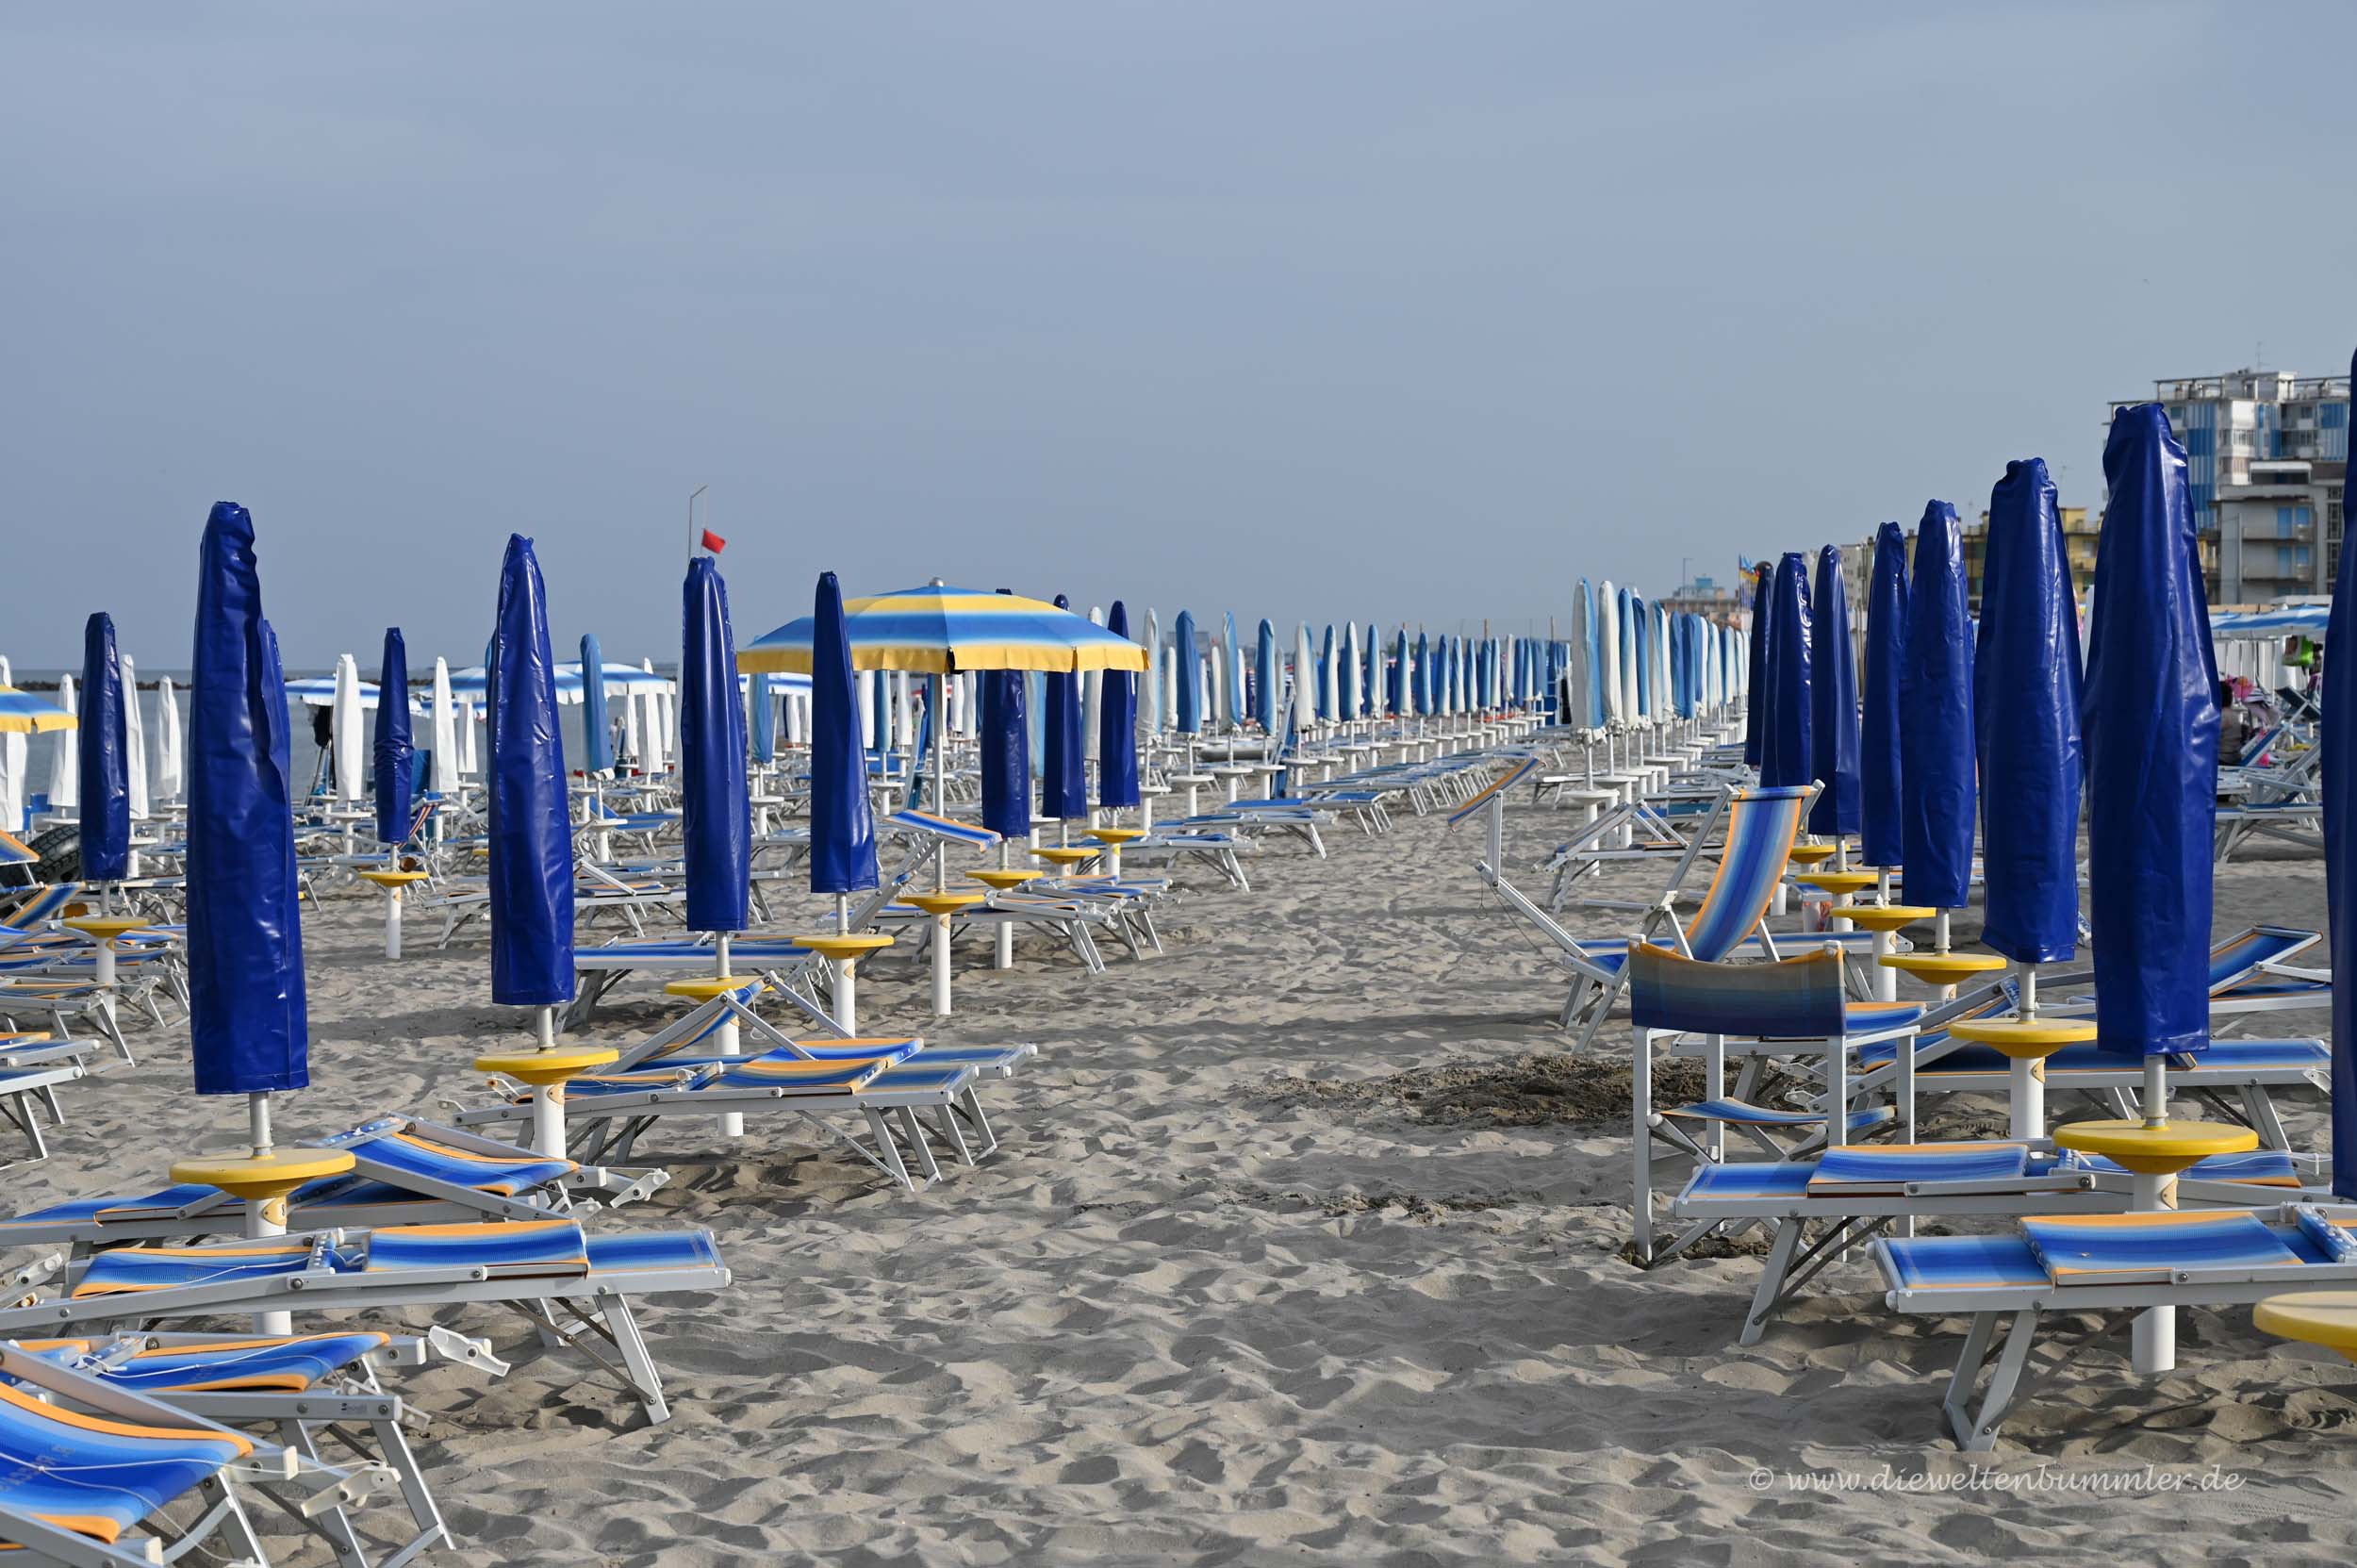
(1309, 309)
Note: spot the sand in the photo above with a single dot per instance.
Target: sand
(1303, 1247)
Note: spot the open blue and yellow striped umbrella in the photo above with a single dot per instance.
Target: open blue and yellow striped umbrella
(937, 630)
(23, 714)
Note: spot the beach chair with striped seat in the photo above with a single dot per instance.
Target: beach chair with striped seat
(907, 1094)
(2085, 1276)
(1798, 1003)
(1820, 1208)
(573, 1287)
(88, 1470)
(300, 1386)
(1730, 921)
(405, 1171)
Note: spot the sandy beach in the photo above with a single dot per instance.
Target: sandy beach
(1303, 1245)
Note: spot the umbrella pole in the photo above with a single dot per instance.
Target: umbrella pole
(1002, 954)
(264, 1217)
(725, 1038)
(2152, 1339)
(2028, 1073)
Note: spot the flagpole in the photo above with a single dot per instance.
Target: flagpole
(691, 518)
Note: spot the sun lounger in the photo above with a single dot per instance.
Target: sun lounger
(2109, 1267)
(405, 1171)
(303, 1386)
(1797, 1002)
(88, 1468)
(907, 1095)
(1820, 1208)
(573, 1286)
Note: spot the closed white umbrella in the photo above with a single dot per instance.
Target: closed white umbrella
(1304, 681)
(445, 717)
(168, 762)
(1347, 695)
(134, 740)
(65, 757)
(655, 728)
(350, 770)
(16, 754)
(1092, 686)
(1217, 713)
(469, 765)
(1150, 693)
(1609, 649)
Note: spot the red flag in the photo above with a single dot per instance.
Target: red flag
(713, 542)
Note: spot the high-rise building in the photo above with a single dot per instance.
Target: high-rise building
(2268, 459)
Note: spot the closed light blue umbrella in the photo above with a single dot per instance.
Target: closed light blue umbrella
(2151, 721)
(1786, 751)
(1641, 649)
(531, 837)
(715, 811)
(842, 822)
(247, 1028)
(1756, 677)
(1233, 686)
(1264, 676)
(105, 812)
(394, 749)
(1370, 689)
(1833, 704)
(1937, 774)
(765, 719)
(2338, 739)
(1190, 676)
(1062, 788)
(1882, 837)
(2026, 697)
(597, 755)
(1590, 672)
(1117, 728)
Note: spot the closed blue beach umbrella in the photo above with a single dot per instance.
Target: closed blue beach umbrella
(1882, 837)
(1117, 728)
(106, 813)
(1063, 789)
(1833, 704)
(247, 1028)
(842, 822)
(531, 837)
(1786, 748)
(1190, 676)
(1756, 677)
(2151, 728)
(716, 812)
(2026, 698)
(1937, 782)
(394, 750)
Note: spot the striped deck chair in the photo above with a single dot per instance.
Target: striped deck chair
(908, 1095)
(1800, 1003)
(573, 1287)
(299, 1385)
(27, 918)
(404, 1171)
(1729, 921)
(2089, 1276)
(88, 1469)
(1820, 1208)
